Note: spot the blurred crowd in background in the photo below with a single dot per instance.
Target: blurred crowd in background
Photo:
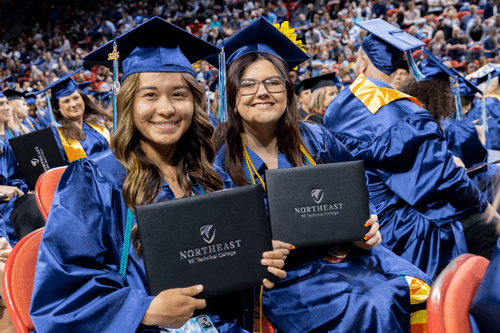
(42, 41)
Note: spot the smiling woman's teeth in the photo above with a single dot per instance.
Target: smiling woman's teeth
(263, 105)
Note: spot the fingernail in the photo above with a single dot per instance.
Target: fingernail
(367, 224)
(367, 237)
(366, 243)
(265, 255)
(264, 262)
(270, 269)
(292, 247)
(199, 287)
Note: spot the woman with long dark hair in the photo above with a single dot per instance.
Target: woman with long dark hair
(76, 121)
(161, 150)
(347, 287)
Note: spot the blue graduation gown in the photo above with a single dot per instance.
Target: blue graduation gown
(493, 110)
(419, 192)
(366, 293)
(94, 142)
(464, 143)
(10, 175)
(45, 119)
(36, 125)
(77, 286)
(485, 308)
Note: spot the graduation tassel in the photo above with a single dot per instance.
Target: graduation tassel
(458, 103)
(222, 112)
(207, 95)
(51, 113)
(484, 114)
(413, 67)
(116, 85)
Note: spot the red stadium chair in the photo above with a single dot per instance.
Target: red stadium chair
(461, 14)
(46, 187)
(18, 279)
(452, 294)
(426, 41)
(391, 12)
(480, 12)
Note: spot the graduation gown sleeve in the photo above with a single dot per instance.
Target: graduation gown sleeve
(77, 285)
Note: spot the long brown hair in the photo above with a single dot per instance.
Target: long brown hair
(286, 130)
(194, 155)
(435, 96)
(91, 115)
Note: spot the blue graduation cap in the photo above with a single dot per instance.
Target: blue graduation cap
(258, 36)
(2, 95)
(465, 87)
(30, 98)
(321, 81)
(63, 87)
(482, 74)
(83, 86)
(8, 78)
(386, 45)
(262, 36)
(13, 95)
(433, 68)
(154, 46)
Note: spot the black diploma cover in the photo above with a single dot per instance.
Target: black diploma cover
(318, 205)
(36, 152)
(215, 239)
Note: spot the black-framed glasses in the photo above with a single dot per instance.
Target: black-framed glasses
(272, 85)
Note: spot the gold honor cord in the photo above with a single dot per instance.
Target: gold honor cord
(251, 170)
(73, 147)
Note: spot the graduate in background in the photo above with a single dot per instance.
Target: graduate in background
(462, 136)
(487, 78)
(429, 210)
(349, 287)
(6, 132)
(324, 89)
(304, 95)
(30, 120)
(20, 111)
(41, 113)
(162, 150)
(76, 120)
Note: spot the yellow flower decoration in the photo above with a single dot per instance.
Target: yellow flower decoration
(289, 33)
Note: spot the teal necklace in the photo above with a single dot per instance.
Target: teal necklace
(126, 240)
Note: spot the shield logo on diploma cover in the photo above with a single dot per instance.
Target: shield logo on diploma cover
(317, 195)
(208, 233)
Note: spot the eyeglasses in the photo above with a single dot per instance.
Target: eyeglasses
(250, 86)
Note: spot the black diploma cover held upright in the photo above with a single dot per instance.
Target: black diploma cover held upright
(318, 205)
(215, 239)
(36, 152)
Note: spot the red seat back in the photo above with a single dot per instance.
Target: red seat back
(46, 187)
(18, 279)
(452, 294)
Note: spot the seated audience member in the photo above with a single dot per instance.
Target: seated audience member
(430, 212)
(491, 44)
(442, 26)
(152, 160)
(438, 44)
(456, 45)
